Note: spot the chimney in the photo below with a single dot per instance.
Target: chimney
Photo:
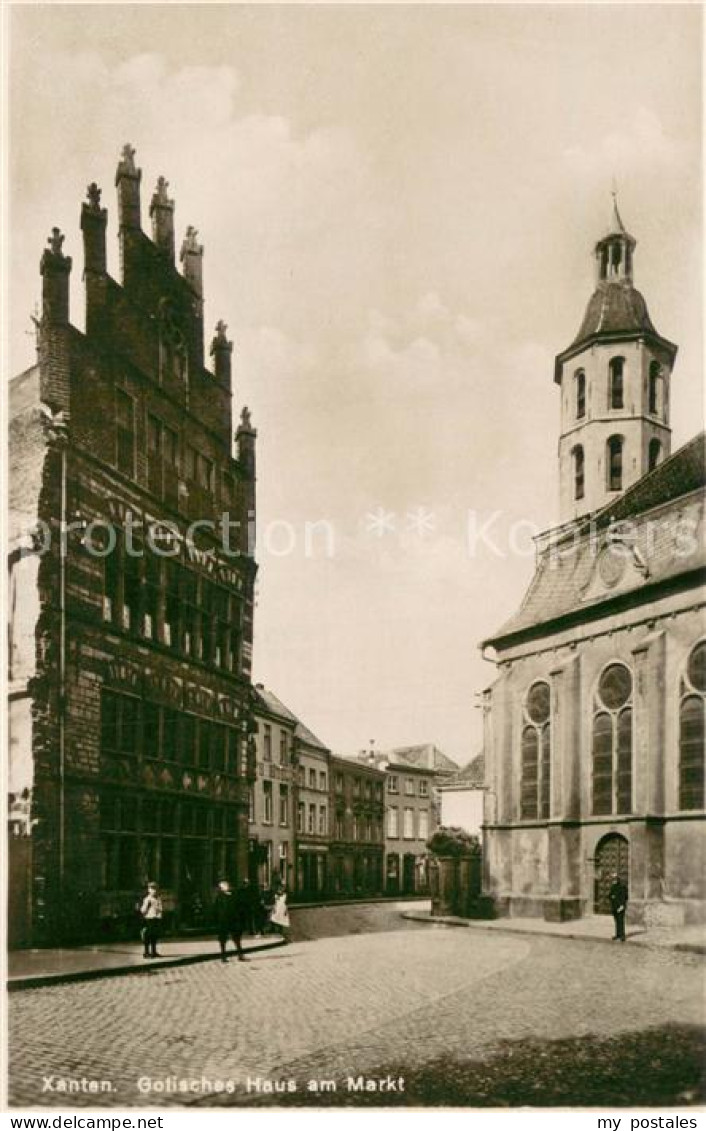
(127, 180)
(54, 330)
(55, 268)
(245, 439)
(94, 220)
(192, 259)
(162, 213)
(221, 350)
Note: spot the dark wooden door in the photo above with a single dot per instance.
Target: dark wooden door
(408, 881)
(612, 855)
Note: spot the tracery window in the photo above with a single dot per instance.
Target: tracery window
(692, 730)
(535, 788)
(612, 741)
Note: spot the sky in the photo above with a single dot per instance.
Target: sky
(398, 206)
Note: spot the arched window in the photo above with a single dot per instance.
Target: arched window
(612, 742)
(614, 462)
(654, 454)
(692, 730)
(616, 370)
(578, 472)
(655, 383)
(580, 394)
(535, 789)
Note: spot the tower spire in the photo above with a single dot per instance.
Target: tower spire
(616, 225)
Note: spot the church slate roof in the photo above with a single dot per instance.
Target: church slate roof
(614, 308)
(567, 580)
(472, 776)
(426, 756)
(275, 706)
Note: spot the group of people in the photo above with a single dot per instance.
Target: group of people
(235, 913)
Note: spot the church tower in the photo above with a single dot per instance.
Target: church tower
(614, 380)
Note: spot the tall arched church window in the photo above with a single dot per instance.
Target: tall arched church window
(580, 394)
(612, 742)
(579, 483)
(654, 391)
(535, 789)
(616, 372)
(614, 462)
(692, 730)
(654, 454)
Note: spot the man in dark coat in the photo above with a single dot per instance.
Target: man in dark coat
(618, 896)
(228, 913)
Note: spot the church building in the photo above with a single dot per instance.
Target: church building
(594, 727)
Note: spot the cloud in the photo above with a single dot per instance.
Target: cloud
(266, 197)
(640, 146)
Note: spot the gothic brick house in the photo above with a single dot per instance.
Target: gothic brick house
(131, 590)
(594, 727)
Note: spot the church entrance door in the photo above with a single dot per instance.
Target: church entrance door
(612, 855)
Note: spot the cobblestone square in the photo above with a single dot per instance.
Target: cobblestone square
(425, 1001)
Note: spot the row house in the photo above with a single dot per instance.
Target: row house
(357, 844)
(412, 776)
(289, 805)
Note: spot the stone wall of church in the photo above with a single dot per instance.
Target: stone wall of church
(546, 863)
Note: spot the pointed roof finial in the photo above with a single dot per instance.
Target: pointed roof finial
(616, 223)
(55, 242)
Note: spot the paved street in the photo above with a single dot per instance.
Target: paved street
(401, 997)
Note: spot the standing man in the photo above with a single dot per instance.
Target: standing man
(229, 920)
(151, 911)
(618, 896)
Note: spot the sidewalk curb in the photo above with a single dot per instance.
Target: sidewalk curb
(479, 924)
(34, 981)
(356, 902)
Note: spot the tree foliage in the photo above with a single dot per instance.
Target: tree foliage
(452, 841)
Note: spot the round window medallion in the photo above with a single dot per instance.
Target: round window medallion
(615, 686)
(538, 703)
(611, 564)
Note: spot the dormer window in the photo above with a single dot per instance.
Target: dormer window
(615, 382)
(580, 394)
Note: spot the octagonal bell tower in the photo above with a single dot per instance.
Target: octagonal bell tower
(614, 380)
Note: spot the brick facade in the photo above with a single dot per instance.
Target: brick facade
(131, 636)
